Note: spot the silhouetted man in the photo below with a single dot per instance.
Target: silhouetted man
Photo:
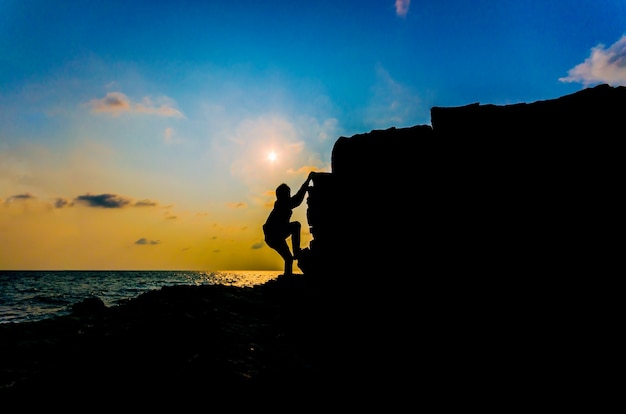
(278, 227)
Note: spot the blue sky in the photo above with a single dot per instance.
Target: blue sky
(136, 134)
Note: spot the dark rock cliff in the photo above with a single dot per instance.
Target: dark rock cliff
(488, 190)
(465, 250)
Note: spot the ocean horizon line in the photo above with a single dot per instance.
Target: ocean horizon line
(27, 295)
(140, 270)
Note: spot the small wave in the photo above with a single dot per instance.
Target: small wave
(50, 300)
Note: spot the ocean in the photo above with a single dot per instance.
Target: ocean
(27, 296)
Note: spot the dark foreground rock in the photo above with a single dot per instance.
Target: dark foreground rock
(175, 341)
(292, 338)
(294, 343)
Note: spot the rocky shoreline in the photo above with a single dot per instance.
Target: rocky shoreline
(307, 340)
(173, 340)
(213, 342)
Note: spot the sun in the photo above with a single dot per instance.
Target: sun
(272, 156)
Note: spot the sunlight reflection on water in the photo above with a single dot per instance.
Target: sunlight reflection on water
(244, 278)
(239, 278)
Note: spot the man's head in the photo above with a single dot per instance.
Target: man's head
(283, 191)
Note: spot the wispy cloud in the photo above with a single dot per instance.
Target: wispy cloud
(237, 205)
(402, 7)
(90, 200)
(61, 202)
(602, 66)
(146, 203)
(116, 103)
(144, 241)
(392, 103)
(107, 201)
(25, 196)
(103, 200)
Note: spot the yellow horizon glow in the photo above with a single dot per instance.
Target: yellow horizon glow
(39, 236)
(203, 216)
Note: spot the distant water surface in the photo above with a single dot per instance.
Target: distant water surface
(35, 295)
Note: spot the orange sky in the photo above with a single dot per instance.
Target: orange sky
(49, 221)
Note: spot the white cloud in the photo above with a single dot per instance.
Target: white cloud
(115, 103)
(170, 137)
(392, 103)
(402, 7)
(602, 66)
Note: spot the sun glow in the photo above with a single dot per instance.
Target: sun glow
(272, 156)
